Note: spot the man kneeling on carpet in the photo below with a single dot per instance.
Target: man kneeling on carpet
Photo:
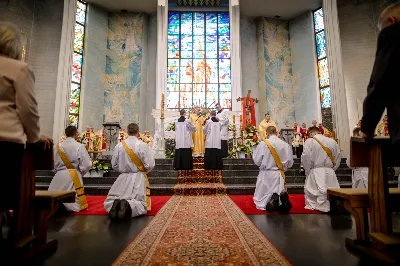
(273, 156)
(71, 162)
(320, 159)
(129, 196)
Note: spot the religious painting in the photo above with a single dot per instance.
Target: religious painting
(198, 59)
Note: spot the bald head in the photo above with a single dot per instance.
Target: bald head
(389, 16)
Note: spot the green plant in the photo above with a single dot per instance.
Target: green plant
(169, 148)
(98, 166)
(171, 126)
(250, 135)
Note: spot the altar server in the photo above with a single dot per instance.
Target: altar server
(273, 156)
(223, 119)
(71, 162)
(184, 143)
(129, 196)
(213, 155)
(320, 159)
(360, 174)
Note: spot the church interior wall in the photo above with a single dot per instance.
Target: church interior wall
(42, 23)
(304, 67)
(248, 46)
(92, 97)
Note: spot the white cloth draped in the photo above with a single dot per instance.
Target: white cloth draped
(183, 134)
(269, 179)
(224, 121)
(359, 176)
(62, 180)
(212, 130)
(131, 184)
(320, 172)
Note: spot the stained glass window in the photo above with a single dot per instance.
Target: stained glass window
(322, 60)
(77, 62)
(199, 65)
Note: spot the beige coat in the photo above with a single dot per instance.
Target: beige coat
(18, 107)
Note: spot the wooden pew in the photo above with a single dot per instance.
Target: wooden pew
(29, 226)
(378, 239)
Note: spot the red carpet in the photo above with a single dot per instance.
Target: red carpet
(244, 202)
(96, 206)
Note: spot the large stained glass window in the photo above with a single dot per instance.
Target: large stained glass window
(77, 61)
(199, 65)
(322, 61)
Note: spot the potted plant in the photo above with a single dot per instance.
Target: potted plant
(251, 138)
(98, 169)
(242, 150)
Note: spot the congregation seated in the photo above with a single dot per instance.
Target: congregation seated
(359, 174)
(320, 159)
(273, 156)
(129, 196)
(71, 162)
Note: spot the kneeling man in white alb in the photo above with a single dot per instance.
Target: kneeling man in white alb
(320, 159)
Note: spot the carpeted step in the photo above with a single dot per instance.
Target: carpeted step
(198, 179)
(199, 189)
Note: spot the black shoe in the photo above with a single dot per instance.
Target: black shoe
(124, 209)
(273, 203)
(286, 205)
(114, 209)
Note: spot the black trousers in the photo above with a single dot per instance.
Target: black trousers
(11, 157)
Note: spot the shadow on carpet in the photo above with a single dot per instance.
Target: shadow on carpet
(244, 202)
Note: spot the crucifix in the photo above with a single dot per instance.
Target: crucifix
(248, 111)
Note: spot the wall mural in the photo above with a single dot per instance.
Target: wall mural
(121, 80)
(280, 83)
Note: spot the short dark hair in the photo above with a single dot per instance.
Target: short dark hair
(267, 114)
(217, 104)
(182, 111)
(271, 130)
(70, 131)
(133, 129)
(312, 129)
(213, 113)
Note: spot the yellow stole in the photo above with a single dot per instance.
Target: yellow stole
(276, 159)
(327, 150)
(75, 178)
(135, 159)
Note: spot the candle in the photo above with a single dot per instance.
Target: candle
(233, 118)
(162, 105)
(241, 119)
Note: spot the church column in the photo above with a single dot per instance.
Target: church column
(336, 77)
(64, 70)
(162, 38)
(236, 71)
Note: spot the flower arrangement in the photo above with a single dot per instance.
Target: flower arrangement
(98, 166)
(250, 135)
(230, 127)
(171, 126)
(169, 148)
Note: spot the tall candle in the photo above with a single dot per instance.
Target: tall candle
(241, 119)
(233, 118)
(162, 105)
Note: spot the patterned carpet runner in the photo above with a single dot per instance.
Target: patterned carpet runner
(209, 230)
(199, 182)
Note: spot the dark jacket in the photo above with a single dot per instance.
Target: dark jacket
(384, 86)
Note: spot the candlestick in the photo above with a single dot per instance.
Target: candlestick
(233, 118)
(241, 119)
(162, 106)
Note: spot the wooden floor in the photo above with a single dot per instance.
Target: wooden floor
(305, 239)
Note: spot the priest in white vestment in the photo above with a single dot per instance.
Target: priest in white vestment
(213, 156)
(71, 162)
(320, 159)
(183, 143)
(129, 196)
(360, 174)
(270, 186)
(223, 119)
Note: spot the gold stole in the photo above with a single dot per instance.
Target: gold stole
(75, 178)
(276, 159)
(327, 150)
(135, 159)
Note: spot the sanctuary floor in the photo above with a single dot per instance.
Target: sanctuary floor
(305, 239)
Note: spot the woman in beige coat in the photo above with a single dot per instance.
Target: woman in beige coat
(19, 117)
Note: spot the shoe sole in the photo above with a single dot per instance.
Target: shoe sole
(113, 212)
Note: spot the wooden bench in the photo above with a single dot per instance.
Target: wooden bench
(356, 201)
(375, 239)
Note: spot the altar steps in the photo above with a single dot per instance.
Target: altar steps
(239, 177)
